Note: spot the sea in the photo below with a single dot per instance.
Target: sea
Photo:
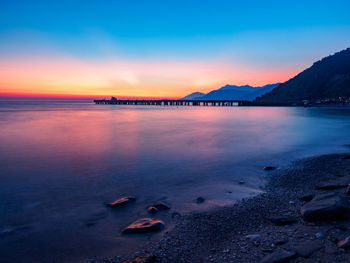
(63, 160)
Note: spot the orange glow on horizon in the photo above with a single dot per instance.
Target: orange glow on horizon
(63, 77)
(76, 96)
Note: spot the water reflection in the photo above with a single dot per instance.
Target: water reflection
(61, 161)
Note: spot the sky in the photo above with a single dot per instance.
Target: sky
(161, 49)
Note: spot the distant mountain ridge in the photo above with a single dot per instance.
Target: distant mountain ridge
(193, 96)
(233, 92)
(326, 80)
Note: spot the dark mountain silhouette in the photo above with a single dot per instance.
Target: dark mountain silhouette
(326, 80)
(232, 92)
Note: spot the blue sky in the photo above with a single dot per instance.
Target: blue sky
(252, 34)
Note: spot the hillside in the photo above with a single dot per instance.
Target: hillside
(326, 80)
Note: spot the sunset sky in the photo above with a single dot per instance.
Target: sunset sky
(161, 48)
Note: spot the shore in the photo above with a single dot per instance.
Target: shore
(267, 228)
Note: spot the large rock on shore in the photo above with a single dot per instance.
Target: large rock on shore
(278, 257)
(122, 201)
(306, 249)
(144, 225)
(325, 207)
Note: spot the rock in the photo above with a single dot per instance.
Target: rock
(325, 207)
(306, 249)
(346, 157)
(253, 236)
(281, 242)
(306, 198)
(330, 250)
(331, 186)
(344, 243)
(6, 231)
(90, 223)
(142, 259)
(347, 192)
(161, 206)
(95, 217)
(279, 257)
(267, 250)
(144, 225)
(122, 201)
(152, 210)
(319, 235)
(344, 226)
(283, 220)
(200, 200)
(269, 168)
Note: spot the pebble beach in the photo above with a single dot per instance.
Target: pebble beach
(302, 216)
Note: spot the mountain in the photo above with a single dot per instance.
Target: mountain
(193, 96)
(232, 92)
(327, 79)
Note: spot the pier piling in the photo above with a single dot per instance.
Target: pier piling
(165, 102)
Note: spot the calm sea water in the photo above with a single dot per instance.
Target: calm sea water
(62, 160)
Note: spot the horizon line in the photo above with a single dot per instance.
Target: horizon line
(75, 96)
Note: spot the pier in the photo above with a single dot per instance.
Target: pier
(166, 102)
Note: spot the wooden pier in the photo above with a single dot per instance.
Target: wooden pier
(166, 102)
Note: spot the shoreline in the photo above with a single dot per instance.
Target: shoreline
(244, 232)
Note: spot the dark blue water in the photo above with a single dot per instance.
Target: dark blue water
(62, 160)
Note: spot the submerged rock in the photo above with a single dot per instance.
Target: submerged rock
(325, 207)
(306, 249)
(200, 200)
(144, 225)
(6, 231)
(122, 201)
(269, 168)
(278, 257)
(152, 210)
(141, 259)
(346, 157)
(283, 220)
(345, 243)
(162, 206)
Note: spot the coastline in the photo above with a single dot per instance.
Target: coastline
(244, 232)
